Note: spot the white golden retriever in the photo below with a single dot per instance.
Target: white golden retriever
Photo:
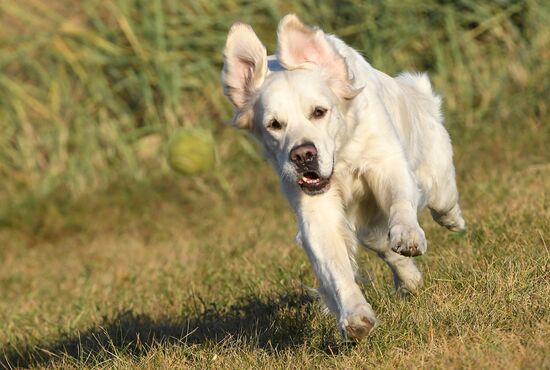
(359, 155)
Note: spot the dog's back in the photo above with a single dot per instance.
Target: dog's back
(415, 113)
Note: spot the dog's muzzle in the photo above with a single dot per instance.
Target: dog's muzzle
(305, 159)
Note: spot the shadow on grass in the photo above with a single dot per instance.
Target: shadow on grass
(272, 324)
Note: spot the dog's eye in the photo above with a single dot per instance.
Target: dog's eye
(274, 125)
(318, 112)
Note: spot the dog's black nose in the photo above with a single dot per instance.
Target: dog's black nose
(303, 154)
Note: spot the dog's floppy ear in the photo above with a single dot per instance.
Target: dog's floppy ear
(244, 69)
(300, 46)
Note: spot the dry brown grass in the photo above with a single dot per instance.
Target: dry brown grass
(171, 274)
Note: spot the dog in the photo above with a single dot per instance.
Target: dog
(359, 154)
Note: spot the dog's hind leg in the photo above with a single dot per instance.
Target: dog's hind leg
(444, 203)
(437, 178)
(406, 276)
(451, 219)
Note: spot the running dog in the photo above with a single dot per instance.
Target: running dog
(359, 154)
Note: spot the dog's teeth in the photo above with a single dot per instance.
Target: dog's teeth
(308, 180)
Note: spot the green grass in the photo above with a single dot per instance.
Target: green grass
(107, 259)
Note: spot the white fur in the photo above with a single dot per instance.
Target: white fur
(382, 139)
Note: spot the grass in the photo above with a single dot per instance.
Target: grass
(109, 260)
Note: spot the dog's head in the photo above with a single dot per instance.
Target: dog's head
(295, 108)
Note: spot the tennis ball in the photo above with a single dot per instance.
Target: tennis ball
(191, 151)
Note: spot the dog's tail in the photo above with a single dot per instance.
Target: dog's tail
(420, 82)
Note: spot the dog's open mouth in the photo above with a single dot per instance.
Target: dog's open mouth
(312, 183)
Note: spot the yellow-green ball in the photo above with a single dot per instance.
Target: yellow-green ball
(191, 151)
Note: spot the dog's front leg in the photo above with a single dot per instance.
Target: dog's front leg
(328, 242)
(396, 192)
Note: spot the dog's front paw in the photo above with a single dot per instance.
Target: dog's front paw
(359, 324)
(408, 240)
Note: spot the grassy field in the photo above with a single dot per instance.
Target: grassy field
(108, 259)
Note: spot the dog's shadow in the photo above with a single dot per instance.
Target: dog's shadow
(270, 323)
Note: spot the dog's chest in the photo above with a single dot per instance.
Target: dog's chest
(353, 189)
(358, 200)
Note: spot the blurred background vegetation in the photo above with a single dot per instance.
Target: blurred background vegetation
(90, 91)
(107, 257)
